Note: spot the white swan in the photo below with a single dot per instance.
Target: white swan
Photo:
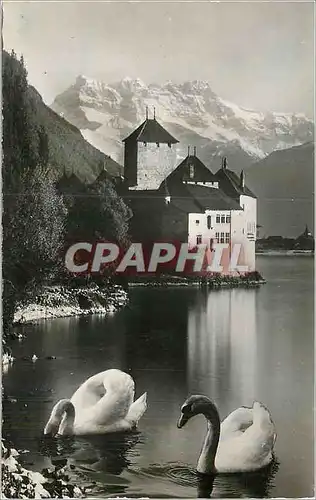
(236, 422)
(103, 403)
(233, 446)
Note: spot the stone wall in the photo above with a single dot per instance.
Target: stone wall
(154, 163)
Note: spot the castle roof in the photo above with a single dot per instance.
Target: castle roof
(211, 198)
(200, 172)
(194, 198)
(151, 131)
(229, 182)
(188, 198)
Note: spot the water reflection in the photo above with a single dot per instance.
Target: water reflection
(246, 485)
(232, 345)
(109, 453)
(222, 348)
(96, 462)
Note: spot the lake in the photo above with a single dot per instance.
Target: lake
(235, 346)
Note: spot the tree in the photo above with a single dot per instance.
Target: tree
(98, 213)
(33, 212)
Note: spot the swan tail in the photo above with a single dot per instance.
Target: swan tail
(137, 410)
(261, 414)
(262, 418)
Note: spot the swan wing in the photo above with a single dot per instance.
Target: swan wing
(250, 450)
(89, 393)
(137, 410)
(242, 454)
(116, 396)
(237, 422)
(105, 403)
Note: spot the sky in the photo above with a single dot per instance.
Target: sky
(257, 55)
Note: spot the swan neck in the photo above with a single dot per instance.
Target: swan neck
(62, 419)
(206, 463)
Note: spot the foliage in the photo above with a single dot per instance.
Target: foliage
(98, 213)
(18, 482)
(35, 220)
(33, 212)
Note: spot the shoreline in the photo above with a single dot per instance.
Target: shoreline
(285, 253)
(253, 279)
(61, 302)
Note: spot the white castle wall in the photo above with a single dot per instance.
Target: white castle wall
(241, 230)
(201, 228)
(249, 205)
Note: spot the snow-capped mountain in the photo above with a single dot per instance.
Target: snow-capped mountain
(191, 111)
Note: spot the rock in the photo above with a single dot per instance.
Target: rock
(84, 301)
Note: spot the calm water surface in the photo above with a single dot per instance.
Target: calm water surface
(232, 345)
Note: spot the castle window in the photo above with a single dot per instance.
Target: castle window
(191, 171)
(223, 219)
(145, 144)
(157, 144)
(197, 222)
(169, 144)
(218, 218)
(209, 222)
(222, 238)
(227, 238)
(228, 219)
(217, 237)
(199, 239)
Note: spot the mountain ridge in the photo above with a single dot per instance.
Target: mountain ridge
(284, 185)
(69, 152)
(107, 112)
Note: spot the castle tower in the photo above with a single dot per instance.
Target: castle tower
(149, 155)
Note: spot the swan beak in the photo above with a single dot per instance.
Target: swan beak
(182, 421)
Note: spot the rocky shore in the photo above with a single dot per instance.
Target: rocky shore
(53, 302)
(18, 482)
(61, 301)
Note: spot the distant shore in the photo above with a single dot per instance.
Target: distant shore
(286, 253)
(252, 279)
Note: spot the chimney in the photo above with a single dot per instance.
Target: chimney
(224, 162)
(154, 113)
(146, 112)
(242, 179)
(194, 150)
(188, 150)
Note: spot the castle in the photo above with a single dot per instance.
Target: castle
(185, 202)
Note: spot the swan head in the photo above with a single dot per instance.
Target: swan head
(61, 420)
(195, 405)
